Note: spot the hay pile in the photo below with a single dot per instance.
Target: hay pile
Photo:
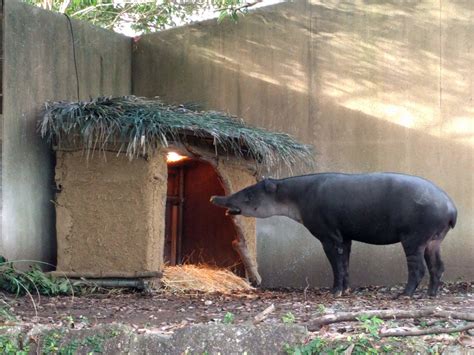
(202, 278)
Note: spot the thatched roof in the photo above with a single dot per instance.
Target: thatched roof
(137, 125)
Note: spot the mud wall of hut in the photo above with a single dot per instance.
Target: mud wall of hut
(38, 65)
(110, 214)
(381, 86)
(237, 176)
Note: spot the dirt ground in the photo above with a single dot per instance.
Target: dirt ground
(166, 312)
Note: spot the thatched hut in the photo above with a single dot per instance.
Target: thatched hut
(134, 177)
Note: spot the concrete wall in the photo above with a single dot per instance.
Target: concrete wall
(39, 66)
(375, 86)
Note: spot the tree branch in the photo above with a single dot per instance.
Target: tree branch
(64, 5)
(119, 15)
(427, 331)
(88, 9)
(239, 8)
(387, 314)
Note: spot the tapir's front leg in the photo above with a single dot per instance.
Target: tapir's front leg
(335, 254)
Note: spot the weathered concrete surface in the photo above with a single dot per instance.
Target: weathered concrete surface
(227, 339)
(375, 86)
(39, 66)
(197, 339)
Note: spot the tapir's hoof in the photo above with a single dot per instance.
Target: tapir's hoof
(403, 296)
(347, 291)
(337, 293)
(256, 281)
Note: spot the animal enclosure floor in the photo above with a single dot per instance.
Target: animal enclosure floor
(166, 312)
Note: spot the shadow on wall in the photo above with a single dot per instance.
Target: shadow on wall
(375, 86)
(407, 64)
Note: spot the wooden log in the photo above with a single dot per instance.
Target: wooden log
(387, 314)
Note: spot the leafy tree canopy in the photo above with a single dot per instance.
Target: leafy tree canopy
(144, 16)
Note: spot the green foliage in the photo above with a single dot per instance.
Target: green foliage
(51, 343)
(139, 126)
(229, 318)
(95, 343)
(288, 318)
(8, 346)
(6, 314)
(32, 281)
(231, 9)
(371, 325)
(368, 342)
(423, 324)
(321, 308)
(435, 349)
(54, 343)
(354, 345)
(143, 16)
(315, 346)
(363, 345)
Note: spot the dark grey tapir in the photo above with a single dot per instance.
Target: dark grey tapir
(378, 208)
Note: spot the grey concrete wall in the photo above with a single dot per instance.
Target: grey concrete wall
(39, 66)
(375, 86)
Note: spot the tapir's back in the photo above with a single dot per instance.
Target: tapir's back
(377, 208)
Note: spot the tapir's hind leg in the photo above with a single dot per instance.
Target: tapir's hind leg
(416, 267)
(347, 253)
(434, 263)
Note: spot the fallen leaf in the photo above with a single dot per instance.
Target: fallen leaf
(348, 351)
(466, 340)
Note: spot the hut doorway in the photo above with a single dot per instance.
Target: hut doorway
(197, 232)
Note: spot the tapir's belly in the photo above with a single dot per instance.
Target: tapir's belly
(377, 224)
(371, 229)
(382, 237)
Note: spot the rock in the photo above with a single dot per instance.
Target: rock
(122, 339)
(106, 338)
(233, 339)
(457, 350)
(150, 344)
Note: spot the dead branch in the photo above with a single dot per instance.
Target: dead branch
(241, 247)
(427, 331)
(264, 314)
(306, 288)
(239, 8)
(387, 314)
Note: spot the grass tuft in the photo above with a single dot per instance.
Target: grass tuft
(33, 281)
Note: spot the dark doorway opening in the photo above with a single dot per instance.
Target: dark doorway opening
(197, 232)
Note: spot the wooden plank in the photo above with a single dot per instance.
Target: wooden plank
(174, 233)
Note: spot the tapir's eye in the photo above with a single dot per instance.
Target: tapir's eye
(248, 198)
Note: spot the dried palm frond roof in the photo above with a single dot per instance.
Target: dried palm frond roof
(139, 124)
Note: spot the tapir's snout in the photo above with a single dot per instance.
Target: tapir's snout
(219, 200)
(222, 201)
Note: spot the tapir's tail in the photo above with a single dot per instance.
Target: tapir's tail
(453, 215)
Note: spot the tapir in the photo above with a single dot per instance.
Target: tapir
(375, 208)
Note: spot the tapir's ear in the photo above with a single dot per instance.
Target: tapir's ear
(270, 186)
